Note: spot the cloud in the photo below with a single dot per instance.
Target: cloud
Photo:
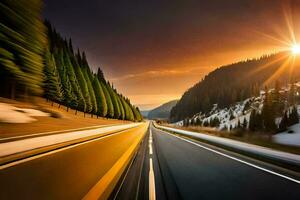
(162, 73)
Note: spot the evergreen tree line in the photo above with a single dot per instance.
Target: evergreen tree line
(276, 105)
(70, 81)
(232, 83)
(279, 111)
(213, 122)
(35, 60)
(22, 42)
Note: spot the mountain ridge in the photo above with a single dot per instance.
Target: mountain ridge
(162, 111)
(235, 82)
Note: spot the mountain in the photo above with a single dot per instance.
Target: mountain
(236, 82)
(145, 113)
(163, 111)
(272, 111)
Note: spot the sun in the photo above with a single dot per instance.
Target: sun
(295, 49)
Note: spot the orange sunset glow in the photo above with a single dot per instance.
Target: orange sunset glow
(189, 59)
(150, 99)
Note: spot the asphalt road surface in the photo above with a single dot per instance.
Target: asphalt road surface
(65, 173)
(185, 170)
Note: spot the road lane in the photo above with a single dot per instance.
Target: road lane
(136, 181)
(197, 173)
(67, 174)
(19, 146)
(288, 160)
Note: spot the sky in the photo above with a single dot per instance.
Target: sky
(154, 50)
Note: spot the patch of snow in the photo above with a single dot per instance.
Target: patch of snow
(33, 112)
(179, 123)
(286, 138)
(11, 114)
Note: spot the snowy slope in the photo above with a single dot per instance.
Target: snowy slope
(230, 116)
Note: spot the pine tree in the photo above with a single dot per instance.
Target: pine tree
(68, 99)
(65, 82)
(284, 122)
(78, 100)
(87, 106)
(91, 91)
(238, 124)
(117, 112)
(185, 122)
(70, 47)
(292, 95)
(23, 40)
(128, 111)
(244, 124)
(122, 110)
(139, 113)
(52, 85)
(206, 124)
(100, 97)
(131, 114)
(110, 107)
(135, 113)
(268, 113)
(293, 117)
(252, 121)
(100, 75)
(278, 103)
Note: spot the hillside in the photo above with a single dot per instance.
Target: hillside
(236, 82)
(21, 118)
(145, 113)
(163, 111)
(272, 111)
(35, 60)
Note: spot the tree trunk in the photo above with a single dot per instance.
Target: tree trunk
(76, 112)
(91, 115)
(58, 106)
(52, 103)
(67, 109)
(84, 114)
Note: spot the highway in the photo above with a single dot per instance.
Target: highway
(140, 162)
(186, 169)
(74, 171)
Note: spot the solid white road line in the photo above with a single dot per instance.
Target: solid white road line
(53, 132)
(236, 159)
(150, 149)
(152, 195)
(19, 146)
(55, 151)
(150, 143)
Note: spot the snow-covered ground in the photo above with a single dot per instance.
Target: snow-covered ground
(289, 138)
(240, 112)
(12, 114)
(230, 116)
(10, 148)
